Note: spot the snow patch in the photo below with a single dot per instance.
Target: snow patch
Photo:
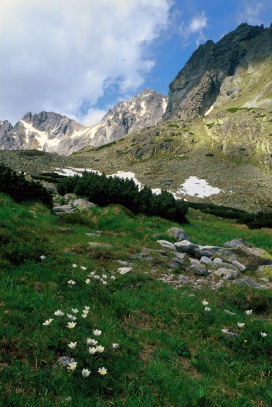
(41, 136)
(200, 188)
(209, 110)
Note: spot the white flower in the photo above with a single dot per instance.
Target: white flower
(74, 310)
(113, 278)
(104, 276)
(100, 349)
(72, 345)
(105, 282)
(71, 282)
(263, 334)
(85, 372)
(224, 331)
(96, 277)
(249, 312)
(72, 365)
(74, 266)
(91, 341)
(207, 309)
(48, 321)
(83, 268)
(92, 273)
(204, 302)
(42, 257)
(102, 371)
(92, 351)
(71, 325)
(59, 313)
(241, 324)
(84, 315)
(71, 317)
(96, 332)
(87, 281)
(86, 307)
(115, 345)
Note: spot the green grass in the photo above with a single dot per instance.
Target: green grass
(171, 352)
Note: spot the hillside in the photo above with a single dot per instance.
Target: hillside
(96, 312)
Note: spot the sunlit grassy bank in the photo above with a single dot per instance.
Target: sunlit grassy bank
(158, 346)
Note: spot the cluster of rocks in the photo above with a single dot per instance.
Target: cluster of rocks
(226, 263)
(69, 203)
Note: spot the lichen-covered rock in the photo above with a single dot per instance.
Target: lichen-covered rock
(81, 204)
(177, 233)
(237, 242)
(227, 274)
(185, 246)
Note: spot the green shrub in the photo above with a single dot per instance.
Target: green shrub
(104, 191)
(22, 190)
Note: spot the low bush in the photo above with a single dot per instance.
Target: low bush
(16, 186)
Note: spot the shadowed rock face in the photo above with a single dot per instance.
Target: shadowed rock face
(197, 85)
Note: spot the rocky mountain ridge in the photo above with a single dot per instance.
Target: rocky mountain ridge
(196, 87)
(52, 132)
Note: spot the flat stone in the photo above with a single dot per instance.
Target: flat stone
(198, 270)
(94, 245)
(63, 209)
(81, 204)
(167, 245)
(249, 282)
(217, 260)
(124, 270)
(240, 266)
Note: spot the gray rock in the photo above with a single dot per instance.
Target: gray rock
(208, 249)
(185, 246)
(94, 245)
(124, 270)
(249, 282)
(198, 270)
(81, 204)
(236, 243)
(51, 189)
(217, 266)
(58, 210)
(251, 257)
(182, 279)
(227, 274)
(167, 245)
(267, 269)
(205, 259)
(217, 260)
(240, 266)
(177, 233)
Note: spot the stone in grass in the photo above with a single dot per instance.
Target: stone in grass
(227, 274)
(249, 282)
(265, 270)
(124, 270)
(167, 245)
(81, 204)
(184, 246)
(236, 243)
(198, 269)
(94, 245)
(205, 260)
(177, 233)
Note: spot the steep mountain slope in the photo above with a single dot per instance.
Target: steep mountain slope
(49, 131)
(197, 86)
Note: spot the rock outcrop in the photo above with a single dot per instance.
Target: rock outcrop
(197, 86)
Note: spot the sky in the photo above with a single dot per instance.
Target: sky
(81, 57)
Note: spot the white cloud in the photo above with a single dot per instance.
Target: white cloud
(59, 54)
(194, 28)
(250, 11)
(93, 116)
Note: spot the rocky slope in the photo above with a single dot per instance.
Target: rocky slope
(52, 132)
(210, 69)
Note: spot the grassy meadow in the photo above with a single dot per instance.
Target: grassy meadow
(75, 332)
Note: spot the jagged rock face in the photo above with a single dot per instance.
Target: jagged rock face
(198, 84)
(52, 132)
(143, 110)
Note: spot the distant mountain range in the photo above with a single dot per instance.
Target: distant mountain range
(52, 132)
(216, 125)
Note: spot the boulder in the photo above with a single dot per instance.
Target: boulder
(59, 210)
(237, 243)
(177, 233)
(198, 269)
(251, 257)
(265, 270)
(205, 260)
(185, 246)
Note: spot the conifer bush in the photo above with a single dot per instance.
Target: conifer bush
(16, 186)
(104, 191)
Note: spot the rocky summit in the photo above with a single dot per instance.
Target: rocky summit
(52, 132)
